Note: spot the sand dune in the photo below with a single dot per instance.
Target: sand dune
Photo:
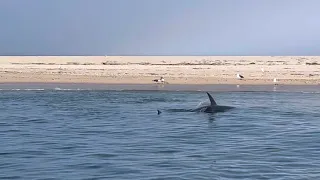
(175, 69)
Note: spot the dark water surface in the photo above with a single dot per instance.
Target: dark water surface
(99, 134)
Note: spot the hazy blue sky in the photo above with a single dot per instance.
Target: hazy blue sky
(159, 27)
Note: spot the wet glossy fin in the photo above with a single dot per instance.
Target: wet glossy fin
(213, 103)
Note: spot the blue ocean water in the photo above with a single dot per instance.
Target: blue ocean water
(99, 134)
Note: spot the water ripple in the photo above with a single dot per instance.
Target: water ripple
(118, 135)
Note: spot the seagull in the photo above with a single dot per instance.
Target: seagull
(239, 76)
(275, 81)
(161, 80)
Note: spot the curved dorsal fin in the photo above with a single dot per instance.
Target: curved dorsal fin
(213, 103)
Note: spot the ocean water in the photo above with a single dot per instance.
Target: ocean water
(101, 134)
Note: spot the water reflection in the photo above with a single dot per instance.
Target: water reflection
(211, 118)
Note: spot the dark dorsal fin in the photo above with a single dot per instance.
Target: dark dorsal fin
(213, 103)
(159, 112)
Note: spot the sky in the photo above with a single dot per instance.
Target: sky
(160, 27)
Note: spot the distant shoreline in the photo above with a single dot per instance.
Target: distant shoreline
(179, 70)
(152, 84)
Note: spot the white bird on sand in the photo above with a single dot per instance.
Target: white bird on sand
(239, 76)
(161, 80)
(275, 81)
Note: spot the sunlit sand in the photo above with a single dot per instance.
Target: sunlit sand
(257, 70)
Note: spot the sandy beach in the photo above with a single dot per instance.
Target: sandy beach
(257, 70)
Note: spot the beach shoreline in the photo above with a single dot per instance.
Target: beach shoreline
(179, 70)
(146, 81)
(58, 86)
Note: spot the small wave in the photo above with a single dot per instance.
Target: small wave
(60, 89)
(41, 89)
(34, 89)
(22, 89)
(203, 103)
(310, 92)
(78, 89)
